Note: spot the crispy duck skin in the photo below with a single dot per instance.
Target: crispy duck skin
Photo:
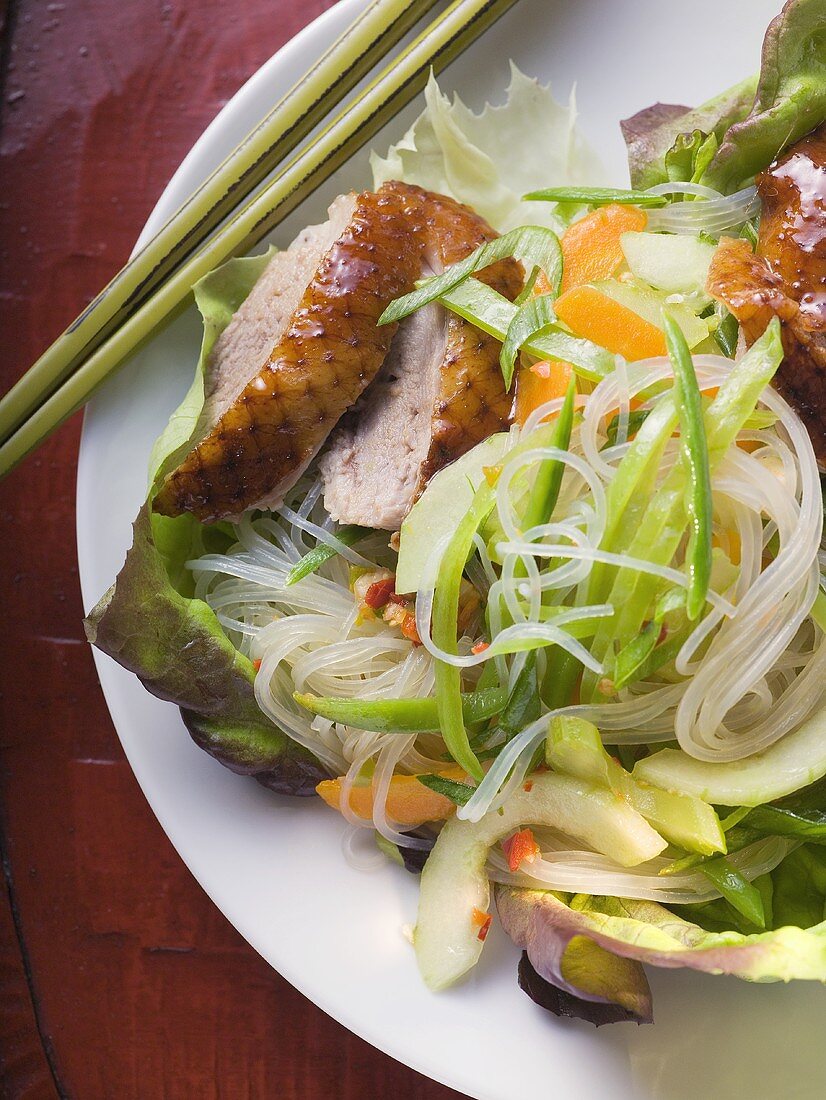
(330, 352)
(472, 402)
(786, 277)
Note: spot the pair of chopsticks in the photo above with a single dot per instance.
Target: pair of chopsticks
(157, 282)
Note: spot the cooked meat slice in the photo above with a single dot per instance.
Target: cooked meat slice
(325, 355)
(261, 319)
(786, 277)
(439, 393)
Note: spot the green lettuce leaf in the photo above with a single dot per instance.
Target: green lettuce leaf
(149, 621)
(544, 923)
(665, 140)
(728, 140)
(790, 100)
(490, 160)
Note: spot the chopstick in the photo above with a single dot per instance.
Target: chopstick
(446, 37)
(362, 45)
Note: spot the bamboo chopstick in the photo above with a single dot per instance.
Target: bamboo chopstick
(365, 42)
(458, 26)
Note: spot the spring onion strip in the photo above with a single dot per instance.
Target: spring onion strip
(533, 245)
(597, 196)
(493, 313)
(739, 893)
(315, 558)
(695, 452)
(533, 318)
(401, 715)
(445, 615)
(548, 480)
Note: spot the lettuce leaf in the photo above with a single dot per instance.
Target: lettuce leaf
(728, 140)
(149, 621)
(657, 136)
(544, 923)
(790, 100)
(490, 160)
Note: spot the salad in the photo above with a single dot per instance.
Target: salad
(493, 519)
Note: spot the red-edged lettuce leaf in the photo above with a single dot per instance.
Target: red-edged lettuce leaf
(572, 962)
(651, 134)
(544, 923)
(790, 100)
(149, 621)
(176, 647)
(728, 140)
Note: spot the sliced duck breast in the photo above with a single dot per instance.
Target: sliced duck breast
(439, 393)
(298, 354)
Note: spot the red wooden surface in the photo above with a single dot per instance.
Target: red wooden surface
(118, 978)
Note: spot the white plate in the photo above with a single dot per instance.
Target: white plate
(333, 931)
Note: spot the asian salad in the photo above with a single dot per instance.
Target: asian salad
(493, 516)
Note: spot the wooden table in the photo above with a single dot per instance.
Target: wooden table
(118, 977)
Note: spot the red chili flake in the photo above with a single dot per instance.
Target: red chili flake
(256, 664)
(380, 593)
(480, 647)
(482, 921)
(520, 848)
(528, 786)
(409, 629)
(662, 635)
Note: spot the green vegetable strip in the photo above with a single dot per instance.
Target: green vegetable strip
(809, 825)
(630, 489)
(695, 452)
(493, 313)
(531, 319)
(631, 660)
(740, 894)
(316, 557)
(662, 526)
(457, 792)
(596, 196)
(443, 631)
(726, 334)
(560, 679)
(533, 245)
(402, 715)
(523, 705)
(545, 490)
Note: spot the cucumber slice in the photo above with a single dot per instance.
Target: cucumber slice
(795, 761)
(649, 304)
(454, 883)
(673, 263)
(574, 747)
(445, 501)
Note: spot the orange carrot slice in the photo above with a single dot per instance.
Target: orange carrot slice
(591, 247)
(589, 313)
(409, 802)
(544, 381)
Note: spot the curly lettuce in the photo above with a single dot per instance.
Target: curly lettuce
(149, 620)
(490, 160)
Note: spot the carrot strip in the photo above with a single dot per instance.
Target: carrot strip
(589, 313)
(591, 247)
(409, 802)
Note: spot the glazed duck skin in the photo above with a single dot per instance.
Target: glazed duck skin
(439, 393)
(786, 277)
(330, 350)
